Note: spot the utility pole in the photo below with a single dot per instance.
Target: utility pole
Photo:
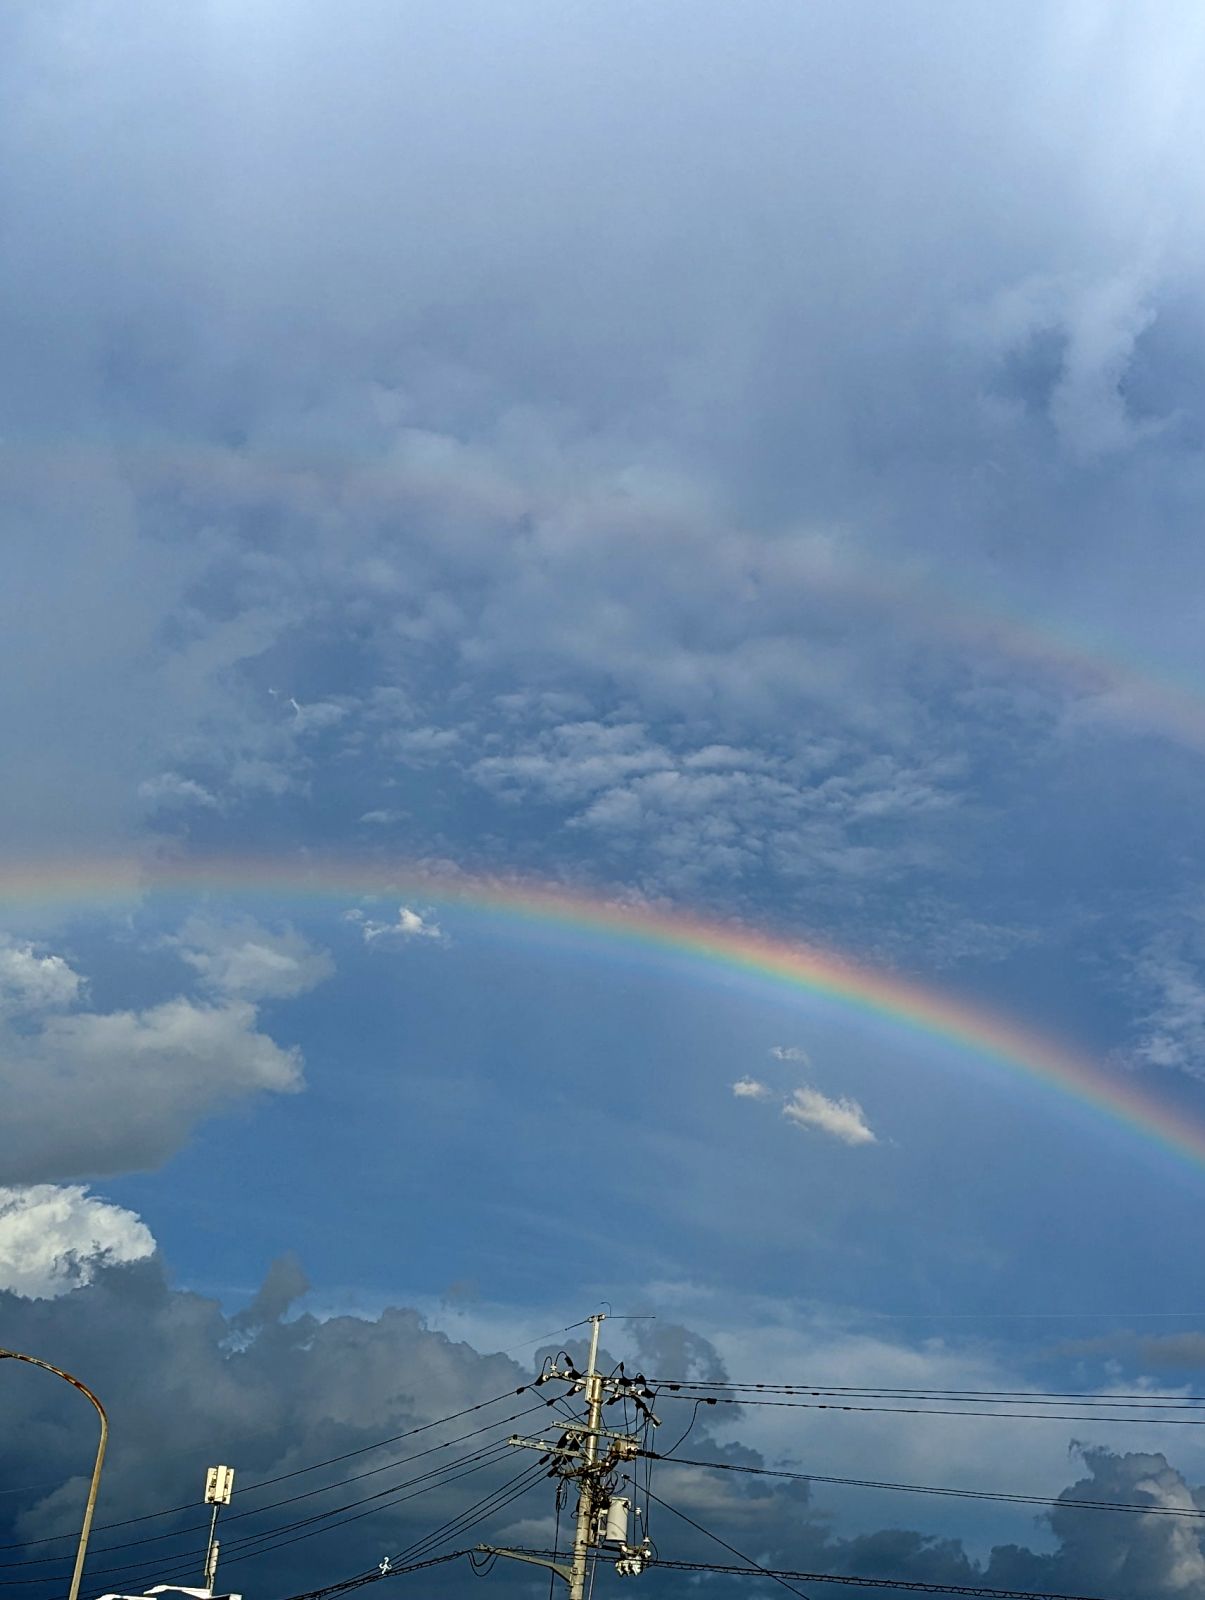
(591, 1454)
(587, 1493)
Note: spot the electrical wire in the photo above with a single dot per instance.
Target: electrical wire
(376, 1575)
(556, 1537)
(510, 1491)
(910, 1585)
(731, 1548)
(941, 1411)
(928, 1488)
(488, 1456)
(241, 1549)
(678, 1443)
(1186, 1402)
(907, 1585)
(280, 1477)
(255, 1511)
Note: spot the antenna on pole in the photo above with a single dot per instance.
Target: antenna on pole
(219, 1487)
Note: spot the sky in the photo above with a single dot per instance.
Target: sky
(504, 507)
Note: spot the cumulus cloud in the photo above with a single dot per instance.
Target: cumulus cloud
(841, 1119)
(1159, 1555)
(104, 1092)
(274, 1391)
(242, 958)
(53, 1239)
(267, 1393)
(31, 981)
(409, 924)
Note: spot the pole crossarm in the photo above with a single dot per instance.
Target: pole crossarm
(561, 1568)
(94, 1485)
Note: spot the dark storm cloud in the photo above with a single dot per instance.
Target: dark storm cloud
(186, 1386)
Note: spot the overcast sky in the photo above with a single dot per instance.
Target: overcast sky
(735, 461)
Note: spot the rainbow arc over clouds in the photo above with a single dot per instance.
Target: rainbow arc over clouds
(1107, 679)
(1121, 1097)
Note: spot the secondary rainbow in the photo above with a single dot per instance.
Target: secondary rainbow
(1108, 678)
(1120, 1097)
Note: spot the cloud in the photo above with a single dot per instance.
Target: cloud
(409, 925)
(32, 982)
(750, 1089)
(790, 1052)
(273, 1391)
(243, 959)
(170, 789)
(119, 1091)
(841, 1119)
(1173, 1029)
(267, 1393)
(317, 717)
(285, 1284)
(53, 1240)
(1160, 1555)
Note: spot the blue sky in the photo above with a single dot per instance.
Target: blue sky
(744, 462)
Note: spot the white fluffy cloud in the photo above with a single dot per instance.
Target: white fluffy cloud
(30, 981)
(241, 958)
(841, 1119)
(409, 924)
(54, 1239)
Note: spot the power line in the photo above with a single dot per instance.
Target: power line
(911, 1585)
(927, 1488)
(241, 1548)
(487, 1457)
(780, 1578)
(905, 1585)
(268, 1541)
(941, 1411)
(376, 1575)
(511, 1490)
(1035, 1397)
(255, 1511)
(280, 1477)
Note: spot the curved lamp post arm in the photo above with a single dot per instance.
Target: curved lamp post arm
(15, 1355)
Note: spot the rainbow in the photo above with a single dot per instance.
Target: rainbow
(1121, 1098)
(1104, 679)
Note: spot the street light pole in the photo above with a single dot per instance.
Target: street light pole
(15, 1355)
